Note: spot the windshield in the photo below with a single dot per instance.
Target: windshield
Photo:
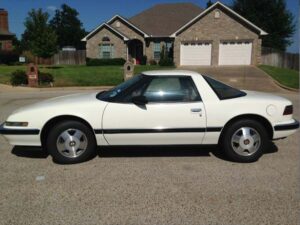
(114, 92)
(223, 91)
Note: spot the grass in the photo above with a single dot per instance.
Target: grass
(65, 76)
(287, 77)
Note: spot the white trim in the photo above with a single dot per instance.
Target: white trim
(104, 25)
(129, 23)
(262, 32)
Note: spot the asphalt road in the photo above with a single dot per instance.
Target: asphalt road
(137, 186)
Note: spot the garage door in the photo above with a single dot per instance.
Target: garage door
(235, 53)
(195, 54)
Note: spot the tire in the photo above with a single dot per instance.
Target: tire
(245, 141)
(71, 142)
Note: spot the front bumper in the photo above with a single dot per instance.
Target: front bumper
(285, 129)
(21, 136)
(19, 131)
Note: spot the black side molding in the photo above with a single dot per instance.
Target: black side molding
(291, 126)
(6, 131)
(165, 130)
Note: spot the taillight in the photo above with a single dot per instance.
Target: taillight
(288, 110)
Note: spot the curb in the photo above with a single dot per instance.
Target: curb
(285, 87)
(279, 84)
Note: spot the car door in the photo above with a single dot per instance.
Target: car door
(173, 115)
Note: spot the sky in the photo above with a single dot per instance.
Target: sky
(94, 12)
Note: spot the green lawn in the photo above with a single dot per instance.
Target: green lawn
(79, 75)
(287, 77)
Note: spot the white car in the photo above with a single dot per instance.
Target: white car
(155, 108)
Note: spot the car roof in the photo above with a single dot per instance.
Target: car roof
(170, 73)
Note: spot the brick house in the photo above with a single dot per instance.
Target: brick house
(194, 37)
(5, 35)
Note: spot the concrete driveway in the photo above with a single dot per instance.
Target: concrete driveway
(243, 77)
(136, 186)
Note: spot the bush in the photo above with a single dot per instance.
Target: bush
(45, 78)
(166, 62)
(18, 77)
(105, 62)
(152, 62)
(144, 60)
(8, 57)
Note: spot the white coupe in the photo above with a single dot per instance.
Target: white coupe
(154, 108)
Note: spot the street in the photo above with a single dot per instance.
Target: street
(178, 185)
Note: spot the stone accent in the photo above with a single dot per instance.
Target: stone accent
(93, 49)
(215, 30)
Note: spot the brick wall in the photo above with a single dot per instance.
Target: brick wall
(212, 29)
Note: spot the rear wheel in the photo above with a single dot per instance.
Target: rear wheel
(71, 142)
(245, 141)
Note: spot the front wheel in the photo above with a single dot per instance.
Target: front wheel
(71, 142)
(245, 141)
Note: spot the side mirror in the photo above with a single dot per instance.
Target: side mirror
(140, 100)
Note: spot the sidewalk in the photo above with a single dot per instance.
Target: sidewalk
(7, 88)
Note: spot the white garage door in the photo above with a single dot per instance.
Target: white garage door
(195, 54)
(235, 53)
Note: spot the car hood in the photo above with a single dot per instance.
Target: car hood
(67, 100)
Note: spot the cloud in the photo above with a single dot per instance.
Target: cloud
(51, 8)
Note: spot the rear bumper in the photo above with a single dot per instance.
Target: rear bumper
(285, 129)
(24, 137)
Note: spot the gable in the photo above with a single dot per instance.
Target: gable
(229, 12)
(226, 27)
(126, 29)
(106, 26)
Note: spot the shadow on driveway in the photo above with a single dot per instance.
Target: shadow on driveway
(141, 151)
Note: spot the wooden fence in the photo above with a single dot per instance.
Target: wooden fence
(69, 58)
(63, 58)
(281, 59)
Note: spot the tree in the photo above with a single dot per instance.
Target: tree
(209, 4)
(270, 15)
(38, 36)
(68, 27)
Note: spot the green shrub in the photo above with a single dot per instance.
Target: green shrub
(8, 57)
(105, 62)
(45, 78)
(144, 60)
(18, 77)
(152, 62)
(166, 62)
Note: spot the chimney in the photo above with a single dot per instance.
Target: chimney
(3, 20)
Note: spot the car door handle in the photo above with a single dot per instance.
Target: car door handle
(196, 110)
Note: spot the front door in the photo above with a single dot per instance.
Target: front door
(173, 115)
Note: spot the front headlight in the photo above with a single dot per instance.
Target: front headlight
(15, 124)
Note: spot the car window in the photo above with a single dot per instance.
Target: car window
(120, 89)
(222, 90)
(171, 89)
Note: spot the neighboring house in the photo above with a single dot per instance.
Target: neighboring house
(215, 36)
(5, 35)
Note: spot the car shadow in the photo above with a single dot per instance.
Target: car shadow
(29, 152)
(141, 151)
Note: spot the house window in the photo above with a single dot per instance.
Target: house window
(156, 50)
(168, 46)
(106, 51)
(105, 39)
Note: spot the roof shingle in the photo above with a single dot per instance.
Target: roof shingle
(165, 19)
